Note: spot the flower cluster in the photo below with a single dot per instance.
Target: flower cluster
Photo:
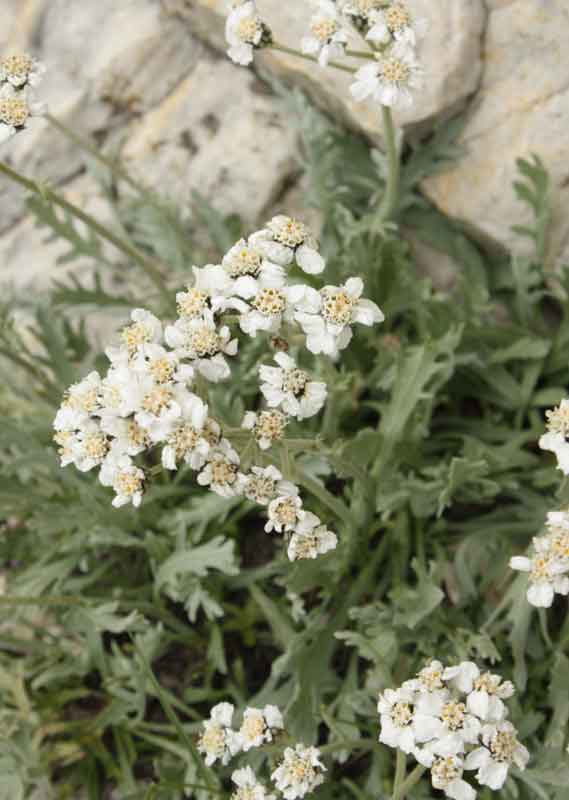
(454, 720)
(387, 26)
(548, 566)
(153, 399)
(299, 772)
(18, 75)
(557, 437)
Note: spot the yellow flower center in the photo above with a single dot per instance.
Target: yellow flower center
(157, 400)
(245, 262)
(245, 793)
(324, 29)
(487, 683)
(270, 425)
(503, 746)
(223, 472)
(431, 678)
(128, 483)
(162, 370)
(134, 335)
(270, 301)
(291, 232)
(86, 401)
(184, 439)
(394, 70)
(365, 6)
(560, 544)
(541, 569)
(212, 740)
(253, 727)
(192, 303)
(397, 17)
(137, 436)
(249, 30)
(337, 306)
(306, 545)
(17, 66)
(444, 771)
(64, 440)
(260, 488)
(558, 420)
(453, 715)
(204, 341)
(295, 380)
(211, 432)
(286, 511)
(401, 714)
(96, 445)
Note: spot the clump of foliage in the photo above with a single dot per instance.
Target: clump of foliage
(124, 627)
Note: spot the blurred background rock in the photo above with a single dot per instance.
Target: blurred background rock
(149, 79)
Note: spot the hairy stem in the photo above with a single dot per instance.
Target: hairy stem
(151, 269)
(400, 793)
(389, 201)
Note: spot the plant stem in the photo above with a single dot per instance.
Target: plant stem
(389, 201)
(400, 793)
(151, 269)
(400, 772)
(85, 144)
(292, 52)
(318, 490)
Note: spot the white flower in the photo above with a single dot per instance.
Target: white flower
(244, 31)
(440, 717)
(90, 447)
(221, 471)
(361, 9)
(267, 426)
(81, 400)
(258, 727)
(557, 437)
(501, 749)
(248, 786)
(266, 311)
(21, 70)
(214, 741)
(285, 239)
(125, 477)
(485, 691)
(327, 38)
(395, 22)
(129, 437)
(300, 772)
(16, 109)
(446, 774)
(245, 262)
(546, 577)
(310, 539)
(284, 512)
(290, 388)
(145, 329)
(397, 715)
(204, 344)
(326, 316)
(390, 79)
(186, 438)
(266, 483)
(429, 679)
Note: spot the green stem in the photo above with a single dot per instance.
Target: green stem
(113, 165)
(410, 781)
(150, 268)
(326, 498)
(400, 772)
(389, 201)
(292, 52)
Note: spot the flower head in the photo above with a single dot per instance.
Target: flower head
(21, 69)
(265, 484)
(500, 750)
(310, 539)
(300, 772)
(258, 727)
(248, 787)
(327, 38)
(391, 79)
(245, 32)
(557, 437)
(290, 388)
(267, 426)
(221, 471)
(214, 741)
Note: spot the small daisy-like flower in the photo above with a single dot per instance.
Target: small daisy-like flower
(284, 513)
(145, 329)
(91, 446)
(390, 79)
(248, 787)
(361, 10)
(214, 741)
(267, 426)
(221, 471)
(546, 576)
(16, 109)
(428, 679)
(185, 441)
(21, 70)
(245, 32)
(485, 691)
(310, 539)
(501, 749)
(129, 437)
(395, 22)
(326, 316)
(200, 340)
(441, 717)
(285, 239)
(557, 437)
(397, 716)
(446, 775)
(258, 727)
(125, 477)
(300, 772)
(327, 38)
(290, 388)
(80, 401)
(244, 263)
(266, 311)
(266, 483)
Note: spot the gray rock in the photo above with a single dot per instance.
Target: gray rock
(522, 108)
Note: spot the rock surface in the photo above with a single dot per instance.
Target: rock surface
(522, 108)
(450, 54)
